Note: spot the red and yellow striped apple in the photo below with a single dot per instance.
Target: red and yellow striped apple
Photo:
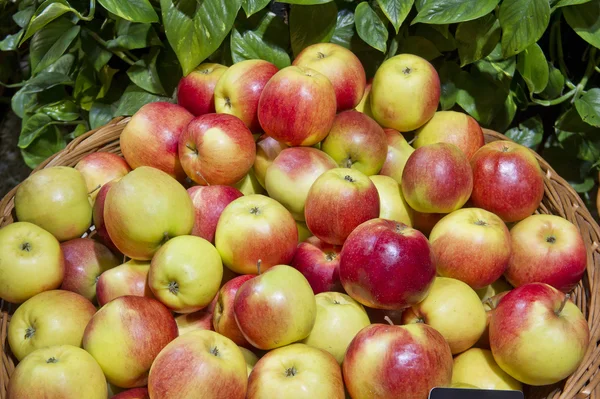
(196, 91)
(135, 393)
(200, 320)
(98, 168)
(319, 262)
(267, 149)
(130, 278)
(223, 319)
(209, 202)
(98, 216)
(477, 367)
(392, 204)
(398, 152)
(425, 222)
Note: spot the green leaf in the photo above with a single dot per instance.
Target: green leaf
(144, 74)
(86, 86)
(47, 12)
(476, 39)
(22, 102)
(32, 128)
(396, 11)
(480, 97)
(11, 42)
(311, 24)
(503, 115)
(449, 74)
(78, 131)
(344, 28)
(46, 80)
(169, 70)
(523, 23)
(588, 107)
(533, 67)
(370, 27)
(500, 73)
(419, 46)
(64, 65)
(564, 3)
(529, 132)
(48, 142)
(57, 49)
(105, 76)
(441, 41)
(452, 11)
(305, 2)
(95, 54)
(253, 6)
(23, 17)
(195, 29)
(556, 83)
(44, 40)
(64, 110)
(134, 98)
(585, 21)
(585, 186)
(131, 10)
(132, 36)
(571, 121)
(101, 114)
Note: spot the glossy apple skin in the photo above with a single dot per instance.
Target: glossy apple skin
(392, 204)
(451, 127)
(341, 67)
(135, 393)
(126, 335)
(546, 249)
(386, 265)
(130, 278)
(151, 138)
(98, 168)
(209, 202)
(529, 332)
(296, 371)
(98, 216)
(356, 141)
(319, 262)
(239, 89)
(216, 149)
(270, 226)
(437, 179)
(338, 201)
(292, 174)
(223, 317)
(477, 367)
(459, 235)
(189, 365)
(398, 151)
(405, 93)
(267, 149)
(405, 362)
(249, 184)
(200, 320)
(364, 105)
(507, 180)
(425, 222)
(297, 106)
(196, 91)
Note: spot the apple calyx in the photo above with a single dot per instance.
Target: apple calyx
(562, 305)
(26, 246)
(214, 351)
(320, 55)
(52, 360)
(349, 178)
(29, 332)
(390, 322)
(291, 372)
(551, 239)
(329, 256)
(173, 287)
(406, 70)
(480, 222)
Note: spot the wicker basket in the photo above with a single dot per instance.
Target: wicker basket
(559, 199)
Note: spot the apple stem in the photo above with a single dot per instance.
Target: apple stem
(562, 305)
(202, 177)
(258, 263)
(489, 302)
(390, 322)
(95, 189)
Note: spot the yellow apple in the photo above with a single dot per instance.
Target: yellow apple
(477, 367)
(303, 231)
(250, 358)
(200, 320)
(249, 184)
(398, 152)
(364, 105)
(392, 204)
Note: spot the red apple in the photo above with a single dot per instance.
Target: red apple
(405, 362)
(338, 201)
(216, 149)
(195, 91)
(341, 67)
(135, 393)
(130, 278)
(98, 168)
(546, 249)
(387, 265)
(356, 141)
(437, 179)
(398, 152)
(297, 106)
(223, 318)
(152, 135)
(425, 222)
(507, 180)
(98, 216)
(85, 261)
(267, 149)
(319, 262)
(209, 202)
(200, 320)
(239, 89)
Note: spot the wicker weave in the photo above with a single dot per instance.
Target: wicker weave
(559, 199)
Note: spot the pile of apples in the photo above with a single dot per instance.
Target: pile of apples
(267, 238)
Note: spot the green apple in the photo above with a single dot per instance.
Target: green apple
(250, 357)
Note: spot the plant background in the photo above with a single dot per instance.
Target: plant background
(526, 68)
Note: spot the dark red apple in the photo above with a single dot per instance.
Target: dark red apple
(319, 262)
(209, 202)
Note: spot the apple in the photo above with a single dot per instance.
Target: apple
(489, 304)
(511, 195)
(239, 89)
(185, 274)
(199, 363)
(209, 202)
(477, 367)
(57, 200)
(270, 314)
(364, 105)
(387, 361)
(319, 262)
(126, 335)
(532, 328)
(98, 168)
(223, 319)
(253, 228)
(424, 222)
(339, 319)
(196, 91)
(451, 127)
(250, 358)
(398, 152)
(341, 67)
(384, 316)
(338, 201)
(405, 93)
(216, 149)
(356, 141)
(145, 209)
(151, 137)
(465, 232)
(546, 249)
(200, 320)
(291, 175)
(98, 216)
(303, 231)
(297, 106)
(452, 308)
(135, 393)
(249, 184)
(54, 317)
(489, 291)
(85, 261)
(437, 179)
(392, 204)
(28, 251)
(267, 149)
(130, 278)
(62, 371)
(387, 265)
(296, 371)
